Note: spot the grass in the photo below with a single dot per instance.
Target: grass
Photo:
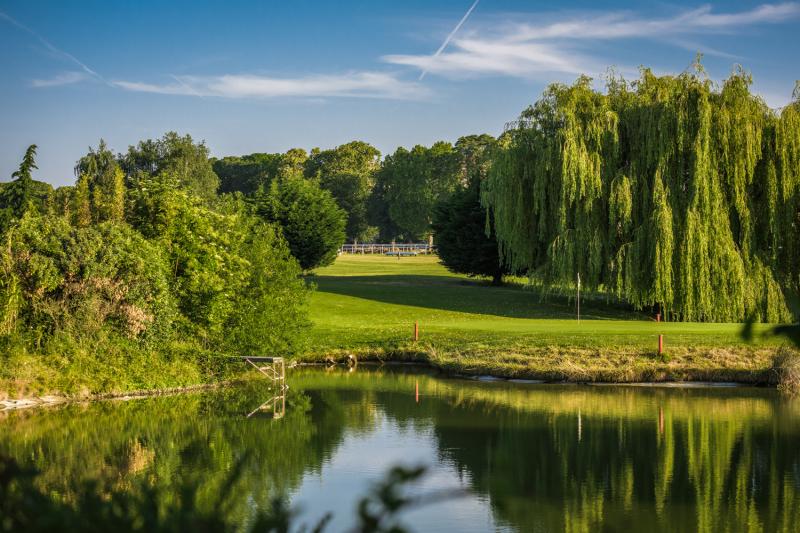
(68, 368)
(368, 305)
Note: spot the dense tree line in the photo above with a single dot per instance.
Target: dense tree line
(143, 252)
(668, 192)
(384, 200)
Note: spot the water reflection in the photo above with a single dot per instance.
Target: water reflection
(533, 457)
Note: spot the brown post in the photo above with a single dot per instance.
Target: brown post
(658, 317)
(416, 331)
(416, 390)
(660, 344)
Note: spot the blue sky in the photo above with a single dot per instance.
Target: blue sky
(268, 76)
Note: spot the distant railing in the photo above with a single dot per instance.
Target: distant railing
(388, 249)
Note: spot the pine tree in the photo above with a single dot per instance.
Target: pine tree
(18, 195)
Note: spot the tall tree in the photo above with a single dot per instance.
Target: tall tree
(413, 181)
(312, 223)
(23, 194)
(100, 191)
(465, 239)
(178, 155)
(347, 172)
(667, 191)
(247, 173)
(462, 242)
(18, 197)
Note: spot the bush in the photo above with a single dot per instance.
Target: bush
(56, 277)
(312, 223)
(786, 366)
(271, 310)
(233, 276)
(459, 223)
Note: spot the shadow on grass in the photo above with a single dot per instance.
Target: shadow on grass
(471, 296)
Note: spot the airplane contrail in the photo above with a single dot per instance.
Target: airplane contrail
(452, 34)
(52, 48)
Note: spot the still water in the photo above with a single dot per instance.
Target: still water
(525, 457)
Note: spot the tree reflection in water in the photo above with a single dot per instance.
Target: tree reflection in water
(545, 457)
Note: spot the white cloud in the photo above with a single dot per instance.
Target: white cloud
(484, 56)
(624, 25)
(65, 78)
(352, 84)
(564, 46)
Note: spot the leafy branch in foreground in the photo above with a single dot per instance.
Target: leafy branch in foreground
(786, 364)
(26, 506)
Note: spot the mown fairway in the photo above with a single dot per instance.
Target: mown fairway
(365, 300)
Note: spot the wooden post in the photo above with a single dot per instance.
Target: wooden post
(416, 390)
(416, 331)
(579, 297)
(660, 344)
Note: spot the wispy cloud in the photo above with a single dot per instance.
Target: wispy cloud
(488, 56)
(355, 84)
(565, 45)
(65, 78)
(452, 34)
(358, 84)
(51, 48)
(624, 25)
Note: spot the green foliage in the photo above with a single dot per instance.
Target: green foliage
(236, 284)
(23, 194)
(100, 191)
(462, 243)
(59, 278)
(664, 191)
(135, 266)
(378, 210)
(475, 157)
(248, 173)
(176, 155)
(143, 507)
(411, 182)
(19, 195)
(312, 223)
(271, 312)
(347, 172)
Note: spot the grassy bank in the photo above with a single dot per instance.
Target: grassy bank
(69, 368)
(368, 305)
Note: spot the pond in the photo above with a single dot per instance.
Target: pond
(512, 456)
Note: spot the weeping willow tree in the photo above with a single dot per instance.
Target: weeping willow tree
(668, 191)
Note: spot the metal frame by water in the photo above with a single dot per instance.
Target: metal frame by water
(275, 371)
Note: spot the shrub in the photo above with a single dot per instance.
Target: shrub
(312, 223)
(271, 309)
(56, 277)
(786, 366)
(459, 223)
